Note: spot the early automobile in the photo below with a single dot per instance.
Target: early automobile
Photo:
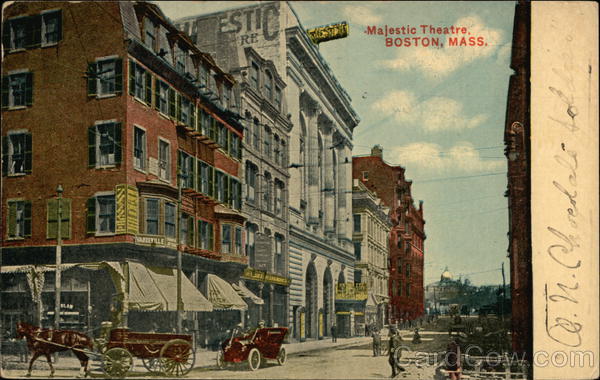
(253, 347)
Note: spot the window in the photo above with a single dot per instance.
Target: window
(185, 163)
(238, 241)
(16, 31)
(140, 83)
(101, 214)
(161, 98)
(276, 149)
(357, 251)
(235, 150)
(226, 96)
(203, 76)
(170, 218)
(267, 188)
(19, 219)
(104, 143)
(278, 197)
(16, 154)
(205, 178)
(268, 85)
(223, 135)
(53, 215)
(251, 243)
(139, 148)
(267, 142)
(206, 123)
(278, 98)
(236, 194)
(357, 276)
(180, 58)
(254, 75)
(164, 160)
(51, 27)
(365, 176)
(407, 270)
(105, 77)
(251, 174)
(221, 186)
(186, 230)
(205, 235)
(357, 226)
(408, 290)
(256, 133)
(150, 33)
(279, 260)
(152, 215)
(17, 90)
(394, 288)
(282, 153)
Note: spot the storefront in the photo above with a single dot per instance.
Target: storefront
(350, 300)
(273, 290)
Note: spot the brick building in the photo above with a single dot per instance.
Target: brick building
(407, 235)
(141, 129)
(517, 133)
(320, 150)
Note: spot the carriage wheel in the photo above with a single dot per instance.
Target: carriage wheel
(220, 359)
(177, 358)
(116, 362)
(281, 356)
(254, 359)
(151, 364)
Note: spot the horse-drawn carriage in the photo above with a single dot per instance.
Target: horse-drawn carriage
(168, 354)
(254, 347)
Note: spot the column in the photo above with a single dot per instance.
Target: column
(313, 169)
(328, 186)
(347, 190)
(341, 191)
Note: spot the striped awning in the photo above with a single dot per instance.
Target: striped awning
(221, 294)
(244, 292)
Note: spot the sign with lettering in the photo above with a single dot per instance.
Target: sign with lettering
(328, 32)
(127, 209)
(262, 276)
(263, 252)
(351, 291)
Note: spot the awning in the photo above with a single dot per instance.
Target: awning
(155, 289)
(244, 292)
(221, 294)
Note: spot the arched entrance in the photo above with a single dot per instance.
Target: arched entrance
(327, 301)
(311, 302)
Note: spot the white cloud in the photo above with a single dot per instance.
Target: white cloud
(434, 114)
(503, 54)
(462, 157)
(439, 62)
(361, 15)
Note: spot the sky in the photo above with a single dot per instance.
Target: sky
(437, 111)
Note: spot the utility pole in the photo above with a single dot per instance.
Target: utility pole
(503, 291)
(57, 278)
(181, 178)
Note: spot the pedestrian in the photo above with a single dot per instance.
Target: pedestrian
(376, 342)
(416, 338)
(395, 351)
(452, 360)
(333, 333)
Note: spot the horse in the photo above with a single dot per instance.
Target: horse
(43, 341)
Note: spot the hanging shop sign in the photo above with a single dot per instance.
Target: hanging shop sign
(127, 209)
(328, 32)
(351, 291)
(262, 276)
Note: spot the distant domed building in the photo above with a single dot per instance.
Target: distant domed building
(446, 275)
(439, 294)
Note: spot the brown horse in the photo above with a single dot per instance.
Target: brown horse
(46, 342)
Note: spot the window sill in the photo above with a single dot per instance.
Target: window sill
(105, 96)
(15, 238)
(15, 108)
(165, 116)
(141, 101)
(104, 234)
(17, 50)
(141, 170)
(51, 44)
(16, 174)
(106, 167)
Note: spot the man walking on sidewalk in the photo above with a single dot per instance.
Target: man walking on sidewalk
(376, 342)
(395, 351)
(333, 333)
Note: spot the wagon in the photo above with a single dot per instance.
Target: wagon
(254, 348)
(168, 354)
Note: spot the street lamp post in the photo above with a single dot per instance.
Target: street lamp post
(181, 177)
(57, 279)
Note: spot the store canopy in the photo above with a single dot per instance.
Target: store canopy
(244, 292)
(155, 289)
(221, 294)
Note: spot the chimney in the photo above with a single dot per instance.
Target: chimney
(377, 151)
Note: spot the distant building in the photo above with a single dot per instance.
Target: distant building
(407, 236)
(370, 237)
(516, 137)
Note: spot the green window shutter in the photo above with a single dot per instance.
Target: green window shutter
(118, 75)
(65, 220)
(92, 82)
(52, 218)
(5, 83)
(211, 181)
(178, 107)
(193, 117)
(91, 215)
(92, 147)
(12, 219)
(4, 155)
(28, 156)
(190, 227)
(179, 159)
(211, 237)
(6, 35)
(157, 83)
(34, 31)
(117, 140)
(59, 25)
(131, 78)
(172, 111)
(148, 88)
(29, 89)
(27, 219)
(227, 186)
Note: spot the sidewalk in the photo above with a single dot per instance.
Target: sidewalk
(204, 358)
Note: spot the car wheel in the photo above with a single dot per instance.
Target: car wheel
(281, 356)
(254, 359)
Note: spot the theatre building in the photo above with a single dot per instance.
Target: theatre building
(407, 235)
(319, 253)
(121, 151)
